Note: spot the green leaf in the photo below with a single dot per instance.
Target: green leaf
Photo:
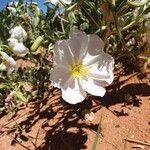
(5, 86)
(21, 96)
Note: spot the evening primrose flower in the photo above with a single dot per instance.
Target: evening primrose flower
(80, 66)
(8, 63)
(18, 33)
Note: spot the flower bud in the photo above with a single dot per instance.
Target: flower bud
(38, 41)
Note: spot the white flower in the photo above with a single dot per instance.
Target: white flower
(20, 50)
(8, 63)
(12, 10)
(17, 47)
(55, 2)
(12, 42)
(81, 66)
(18, 33)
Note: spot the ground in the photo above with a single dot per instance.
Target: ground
(52, 124)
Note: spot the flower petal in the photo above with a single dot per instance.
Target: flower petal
(106, 61)
(95, 45)
(4, 55)
(12, 62)
(20, 50)
(18, 33)
(8, 59)
(72, 92)
(59, 76)
(62, 54)
(101, 69)
(78, 43)
(89, 59)
(12, 42)
(83, 45)
(92, 88)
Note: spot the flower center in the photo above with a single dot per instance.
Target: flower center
(79, 70)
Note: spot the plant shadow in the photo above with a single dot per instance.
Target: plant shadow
(67, 132)
(120, 93)
(64, 125)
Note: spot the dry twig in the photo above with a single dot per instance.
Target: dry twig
(137, 141)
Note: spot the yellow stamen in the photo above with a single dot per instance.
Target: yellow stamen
(78, 70)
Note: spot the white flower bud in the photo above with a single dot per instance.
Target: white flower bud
(18, 33)
(12, 42)
(8, 63)
(20, 50)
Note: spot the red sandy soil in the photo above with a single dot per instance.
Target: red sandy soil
(51, 124)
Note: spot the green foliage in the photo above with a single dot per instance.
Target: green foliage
(20, 96)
